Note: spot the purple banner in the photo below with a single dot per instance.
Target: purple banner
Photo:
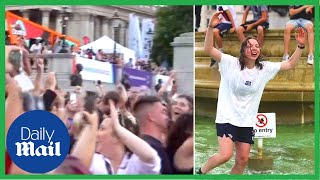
(138, 77)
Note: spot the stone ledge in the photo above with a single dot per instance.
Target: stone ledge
(302, 73)
(273, 43)
(271, 86)
(287, 112)
(268, 34)
(200, 61)
(276, 91)
(268, 96)
(270, 49)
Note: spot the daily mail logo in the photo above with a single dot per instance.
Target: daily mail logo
(38, 141)
(28, 148)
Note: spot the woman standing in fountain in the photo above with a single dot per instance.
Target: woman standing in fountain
(242, 83)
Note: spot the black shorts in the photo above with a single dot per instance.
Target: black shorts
(223, 27)
(240, 134)
(265, 25)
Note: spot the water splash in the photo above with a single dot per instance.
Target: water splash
(292, 149)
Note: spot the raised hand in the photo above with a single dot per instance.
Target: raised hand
(215, 20)
(40, 64)
(91, 119)
(10, 48)
(114, 114)
(301, 36)
(51, 81)
(123, 95)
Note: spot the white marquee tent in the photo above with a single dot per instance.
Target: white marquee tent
(107, 45)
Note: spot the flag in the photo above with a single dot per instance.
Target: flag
(147, 38)
(135, 42)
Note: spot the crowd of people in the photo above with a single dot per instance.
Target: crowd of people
(39, 46)
(300, 16)
(112, 131)
(144, 65)
(42, 47)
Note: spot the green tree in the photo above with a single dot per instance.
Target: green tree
(171, 22)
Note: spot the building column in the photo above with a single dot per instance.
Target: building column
(105, 26)
(45, 17)
(84, 27)
(59, 22)
(79, 25)
(25, 13)
(203, 21)
(90, 32)
(97, 28)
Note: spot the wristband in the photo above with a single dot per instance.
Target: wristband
(211, 27)
(301, 47)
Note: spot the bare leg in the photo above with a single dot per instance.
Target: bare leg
(242, 157)
(309, 28)
(260, 35)
(224, 155)
(240, 33)
(217, 37)
(287, 35)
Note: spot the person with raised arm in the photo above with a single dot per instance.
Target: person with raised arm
(242, 83)
(119, 151)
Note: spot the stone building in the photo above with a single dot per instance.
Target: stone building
(81, 21)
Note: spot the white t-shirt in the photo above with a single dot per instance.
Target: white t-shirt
(232, 11)
(240, 91)
(24, 82)
(129, 165)
(36, 49)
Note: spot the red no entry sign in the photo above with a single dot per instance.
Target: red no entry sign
(262, 120)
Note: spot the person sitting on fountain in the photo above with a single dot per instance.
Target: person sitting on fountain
(259, 22)
(227, 23)
(300, 16)
(242, 83)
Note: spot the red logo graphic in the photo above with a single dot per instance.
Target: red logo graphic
(262, 120)
(17, 27)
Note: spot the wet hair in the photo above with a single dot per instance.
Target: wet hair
(242, 57)
(188, 98)
(179, 132)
